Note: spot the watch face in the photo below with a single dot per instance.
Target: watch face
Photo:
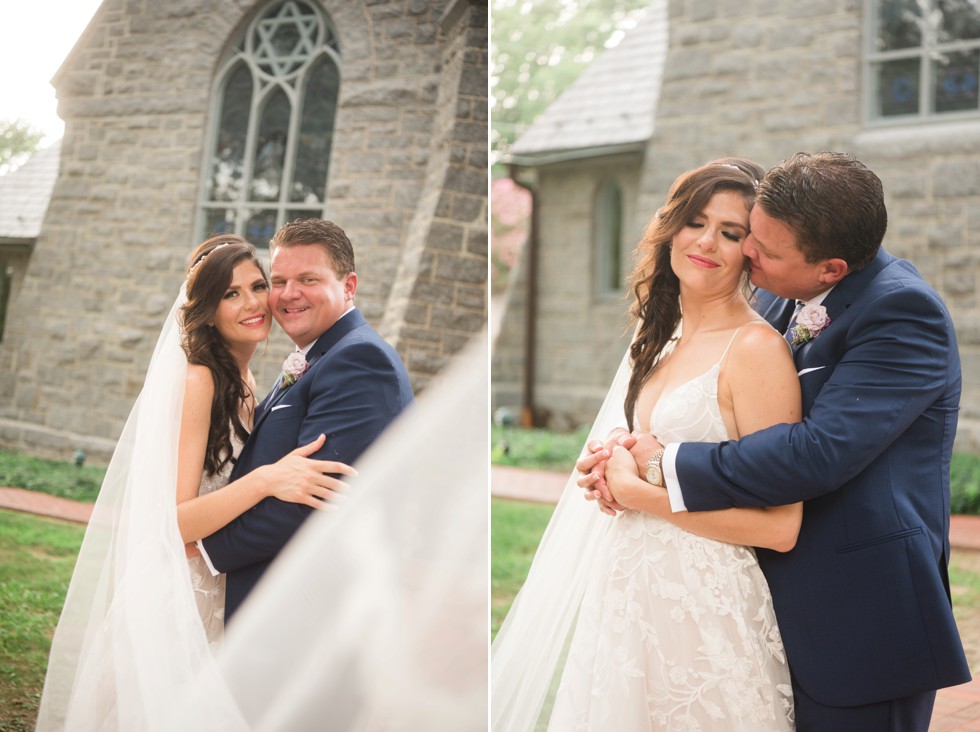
(654, 475)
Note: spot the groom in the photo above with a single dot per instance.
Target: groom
(349, 385)
(863, 600)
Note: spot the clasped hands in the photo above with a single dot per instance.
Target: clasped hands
(609, 469)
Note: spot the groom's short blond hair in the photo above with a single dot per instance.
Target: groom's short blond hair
(322, 233)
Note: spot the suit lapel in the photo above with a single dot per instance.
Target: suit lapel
(849, 288)
(324, 343)
(776, 310)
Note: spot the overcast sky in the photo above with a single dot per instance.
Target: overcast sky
(35, 39)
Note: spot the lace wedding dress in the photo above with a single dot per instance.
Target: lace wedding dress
(675, 631)
(209, 589)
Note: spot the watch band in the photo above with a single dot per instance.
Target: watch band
(654, 471)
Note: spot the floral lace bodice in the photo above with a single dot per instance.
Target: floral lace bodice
(676, 632)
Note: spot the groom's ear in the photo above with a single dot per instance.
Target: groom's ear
(832, 271)
(350, 285)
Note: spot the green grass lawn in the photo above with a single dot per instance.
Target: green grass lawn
(516, 530)
(37, 556)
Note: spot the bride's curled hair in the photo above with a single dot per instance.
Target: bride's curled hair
(655, 286)
(209, 272)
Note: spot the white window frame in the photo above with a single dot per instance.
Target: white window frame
(924, 54)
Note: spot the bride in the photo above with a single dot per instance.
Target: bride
(675, 628)
(142, 613)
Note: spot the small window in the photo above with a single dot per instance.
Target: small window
(272, 130)
(609, 238)
(6, 284)
(923, 61)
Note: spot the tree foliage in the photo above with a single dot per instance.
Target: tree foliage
(18, 141)
(539, 47)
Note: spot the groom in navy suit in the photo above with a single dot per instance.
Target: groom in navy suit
(353, 386)
(863, 600)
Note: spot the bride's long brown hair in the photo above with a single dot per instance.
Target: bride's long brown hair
(655, 286)
(209, 271)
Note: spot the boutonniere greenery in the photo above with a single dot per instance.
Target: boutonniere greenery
(293, 367)
(810, 323)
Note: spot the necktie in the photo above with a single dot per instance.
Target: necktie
(790, 333)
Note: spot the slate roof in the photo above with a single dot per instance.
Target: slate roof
(613, 102)
(25, 193)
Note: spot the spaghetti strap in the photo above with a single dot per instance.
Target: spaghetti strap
(728, 347)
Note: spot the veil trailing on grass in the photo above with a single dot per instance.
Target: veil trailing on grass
(526, 658)
(130, 637)
(374, 617)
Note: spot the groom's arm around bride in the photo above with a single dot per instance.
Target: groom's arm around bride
(350, 385)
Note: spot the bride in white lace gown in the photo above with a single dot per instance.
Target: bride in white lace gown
(143, 612)
(674, 626)
(676, 631)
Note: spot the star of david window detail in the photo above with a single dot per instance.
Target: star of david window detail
(272, 123)
(284, 41)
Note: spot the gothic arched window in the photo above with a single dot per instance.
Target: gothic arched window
(271, 132)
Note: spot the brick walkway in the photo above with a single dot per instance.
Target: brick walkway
(957, 708)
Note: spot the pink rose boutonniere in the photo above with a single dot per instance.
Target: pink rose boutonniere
(293, 367)
(810, 322)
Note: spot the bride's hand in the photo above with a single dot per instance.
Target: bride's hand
(296, 478)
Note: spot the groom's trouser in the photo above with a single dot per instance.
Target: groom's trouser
(909, 714)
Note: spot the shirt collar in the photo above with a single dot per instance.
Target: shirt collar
(819, 298)
(306, 350)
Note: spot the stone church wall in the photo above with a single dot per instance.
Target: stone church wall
(135, 94)
(765, 81)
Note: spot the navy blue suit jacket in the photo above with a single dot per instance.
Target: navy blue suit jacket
(863, 600)
(354, 389)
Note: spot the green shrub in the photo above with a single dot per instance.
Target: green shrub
(964, 484)
(58, 478)
(536, 449)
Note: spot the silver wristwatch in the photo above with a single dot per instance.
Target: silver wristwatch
(655, 473)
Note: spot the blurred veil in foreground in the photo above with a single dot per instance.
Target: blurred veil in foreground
(375, 616)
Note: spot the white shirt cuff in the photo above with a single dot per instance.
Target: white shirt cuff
(207, 559)
(670, 478)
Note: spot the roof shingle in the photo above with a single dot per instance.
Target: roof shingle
(613, 102)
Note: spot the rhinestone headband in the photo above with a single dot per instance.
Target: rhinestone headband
(205, 256)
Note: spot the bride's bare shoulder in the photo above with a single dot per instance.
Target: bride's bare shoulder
(759, 345)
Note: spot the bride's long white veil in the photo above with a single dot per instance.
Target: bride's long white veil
(130, 637)
(374, 617)
(526, 654)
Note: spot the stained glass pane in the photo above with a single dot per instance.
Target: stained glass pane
(219, 221)
(316, 133)
(898, 87)
(899, 24)
(955, 80)
(960, 20)
(301, 214)
(229, 153)
(270, 149)
(260, 227)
